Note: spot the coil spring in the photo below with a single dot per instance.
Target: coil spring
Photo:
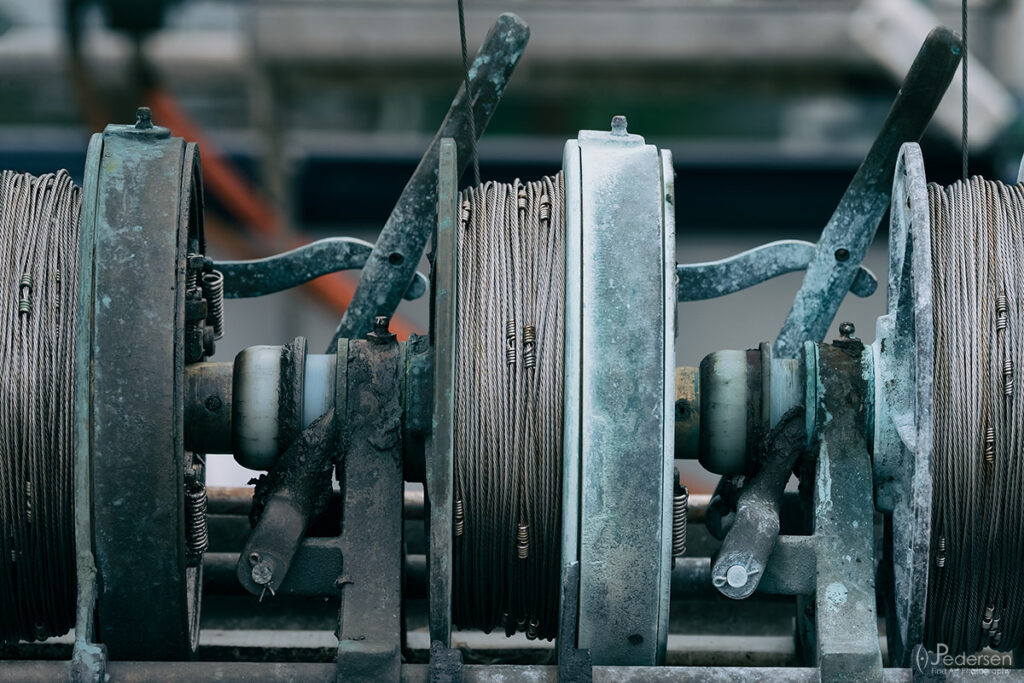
(523, 541)
(529, 347)
(25, 295)
(680, 501)
(197, 536)
(1007, 377)
(510, 342)
(213, 290)
(531, 629)
(990, 445)
(940, 554)
(1001, 308)
(545, 209)
(191, 276)
(460, 519)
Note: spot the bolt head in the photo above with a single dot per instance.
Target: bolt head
(262, 573)
(214, 404)
(143, 118)
(847, 329)
(619, 125)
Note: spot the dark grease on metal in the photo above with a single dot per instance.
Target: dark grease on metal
(297, 489)
(418, 408)
(698, 281)
(753, 535)
(291, 392)
(145, 215)
(853, 225)
(413, 219)
(370, 619)
(259, 277)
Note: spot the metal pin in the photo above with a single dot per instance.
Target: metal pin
(460, 521)
(510, 342)
(523, 541)
(990, 445)
(1007, 377)
(529, 346)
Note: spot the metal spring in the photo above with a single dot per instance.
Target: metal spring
(545, 209)
(191, 276)
(460, 520)
(531, 629)
(465, 212)
(213, 290)
(680, 502)
(940, 555)
(1007, 377)
(197, 535)
(1001, 308)
(529, 347)
(25, 295)
(521, 199)
(28, 500)
(523, 541)
(510, 342)
(990, 445)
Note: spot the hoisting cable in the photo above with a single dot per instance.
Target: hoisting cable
(508, 407)
(963, 66)
(39, 229)
(975, 584)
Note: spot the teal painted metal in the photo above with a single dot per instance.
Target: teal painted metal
(712, 279)
(440, 455)
(88, 658)
(620, 331)
(903, 386)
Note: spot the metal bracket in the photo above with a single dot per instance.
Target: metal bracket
(259, 277)
(698, 281)
(575, 665)
(852, 227)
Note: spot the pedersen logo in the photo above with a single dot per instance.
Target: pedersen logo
(927, 661)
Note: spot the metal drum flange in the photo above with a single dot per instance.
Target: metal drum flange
(619, 392)
(904, 356)
(143, 205)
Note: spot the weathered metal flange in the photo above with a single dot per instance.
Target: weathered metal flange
(619, 391)
(143, 215)
(904, 352)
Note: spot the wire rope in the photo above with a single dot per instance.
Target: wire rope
(508, 407)
(975, 589)
(39, 229)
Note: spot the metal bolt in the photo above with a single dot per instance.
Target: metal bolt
(619, 126)
(143, 118)
(214, 404)
(262, 573)
(254, 558)
(736, 576)
(381, 334)
(846, 330)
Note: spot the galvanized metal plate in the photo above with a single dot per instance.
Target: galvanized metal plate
(904, 353)
(619, 435)
(147, 213)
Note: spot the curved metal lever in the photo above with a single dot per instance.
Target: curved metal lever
(708, 280)
(258, 277)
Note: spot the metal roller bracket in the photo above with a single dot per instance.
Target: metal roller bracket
(259, 277)
(698, 281)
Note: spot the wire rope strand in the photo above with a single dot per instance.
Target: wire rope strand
(508, 447)
(39, 227)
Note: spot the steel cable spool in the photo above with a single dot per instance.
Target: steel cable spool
(102, 510)
(508, 402)
(39, 229)
(949, 418)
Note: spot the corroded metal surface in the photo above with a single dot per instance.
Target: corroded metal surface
(147, 214)
(391, 266)
(752, 267)
(259, 277)
(850, 230)
(621, 358)
(904, 375)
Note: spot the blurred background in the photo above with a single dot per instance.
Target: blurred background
(312, 114)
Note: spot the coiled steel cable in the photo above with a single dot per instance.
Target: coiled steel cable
(508, 403)
(39, 229)
(975, 585)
